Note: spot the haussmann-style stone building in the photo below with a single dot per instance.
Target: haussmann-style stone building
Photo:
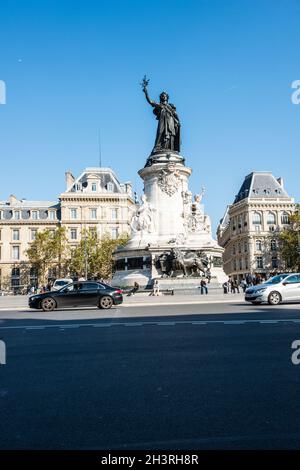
(96, 200)
(248, 231)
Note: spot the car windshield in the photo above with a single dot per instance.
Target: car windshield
(67, 288)
(276, 279)
(61, 283)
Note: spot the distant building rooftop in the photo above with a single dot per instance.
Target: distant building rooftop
(259, 185)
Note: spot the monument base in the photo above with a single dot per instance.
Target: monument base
(171, 234)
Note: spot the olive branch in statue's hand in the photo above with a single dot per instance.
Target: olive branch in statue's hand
(145, 83)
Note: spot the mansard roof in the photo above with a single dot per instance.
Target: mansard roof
(25, 204)
(259, 185)
(103, 176)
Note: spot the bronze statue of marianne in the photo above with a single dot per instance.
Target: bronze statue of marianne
(168, 128)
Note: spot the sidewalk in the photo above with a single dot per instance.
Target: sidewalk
(15, 302)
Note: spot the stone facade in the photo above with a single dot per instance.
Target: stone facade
(248, 231)
(95, 200)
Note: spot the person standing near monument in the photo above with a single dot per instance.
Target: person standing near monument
(203, 287)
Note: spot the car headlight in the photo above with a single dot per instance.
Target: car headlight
(259, 291)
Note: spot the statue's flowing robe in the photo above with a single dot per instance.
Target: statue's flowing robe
(168, 128)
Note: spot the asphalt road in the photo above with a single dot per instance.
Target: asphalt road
(215, 376)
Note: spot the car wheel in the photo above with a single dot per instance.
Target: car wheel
(48, 304)
(274, 298)
(105, 302)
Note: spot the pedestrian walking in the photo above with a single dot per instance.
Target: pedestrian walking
(235, 287)
(243, 285)
(203, 287)
(156, 287)
(225, 287)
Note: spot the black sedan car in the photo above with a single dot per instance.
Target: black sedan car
(78, 294)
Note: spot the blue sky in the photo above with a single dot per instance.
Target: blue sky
(72, 67)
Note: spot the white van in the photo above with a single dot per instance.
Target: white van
(59, 283)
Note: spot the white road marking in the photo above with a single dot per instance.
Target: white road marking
(64, 326)
(35, 327)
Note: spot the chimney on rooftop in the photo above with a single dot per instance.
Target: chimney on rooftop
(280, 181)
(12, 199)
(69, 179)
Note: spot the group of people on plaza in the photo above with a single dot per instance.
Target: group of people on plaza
(234, 286)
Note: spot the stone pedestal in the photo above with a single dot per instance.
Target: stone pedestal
(167, 219)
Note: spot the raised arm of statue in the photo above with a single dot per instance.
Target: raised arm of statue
(148, 97)
(145, 90)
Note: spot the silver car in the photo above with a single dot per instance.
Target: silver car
(280, 288)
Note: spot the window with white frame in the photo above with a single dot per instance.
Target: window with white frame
(258, 245)
(114, 214)
(259, 262)
(52, 215)
(256, 218)
(285, 218)
(35, 215)
(110, 187)
(93, 213)
(16, 234)
(16, 252)
(273, 245)
(94, 187)
(33, 234)
(17, 215)
(114, 233)
(73, 233)
(73, 214)
(271, 218)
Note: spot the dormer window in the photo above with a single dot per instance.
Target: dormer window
(51, 215)
(35, 215)
(110, 187)
(17, 215)
(94, 187)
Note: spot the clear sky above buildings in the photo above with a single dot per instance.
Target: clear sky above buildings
(72, 67)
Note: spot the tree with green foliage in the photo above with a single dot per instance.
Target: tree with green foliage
(49, 250)
(289, 242)
(93, 256)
